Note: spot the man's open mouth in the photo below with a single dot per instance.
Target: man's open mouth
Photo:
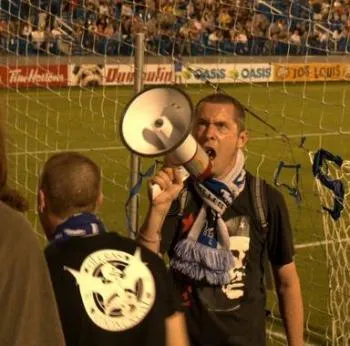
(211, 153)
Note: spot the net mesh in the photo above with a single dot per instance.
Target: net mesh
(336, 232)
(189, 43)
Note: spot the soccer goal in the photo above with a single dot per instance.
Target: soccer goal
(67, 73)
(332, 176)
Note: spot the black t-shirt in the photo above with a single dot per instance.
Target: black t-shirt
(110, 291)
(233, 314)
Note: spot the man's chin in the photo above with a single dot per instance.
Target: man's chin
(213, 169)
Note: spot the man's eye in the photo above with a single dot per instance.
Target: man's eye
(200, 125)
(221, 126)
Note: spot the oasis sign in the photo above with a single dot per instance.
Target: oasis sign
(226, 73)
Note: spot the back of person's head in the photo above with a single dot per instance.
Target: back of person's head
(7, 195)
(221, 98)
(71, 183)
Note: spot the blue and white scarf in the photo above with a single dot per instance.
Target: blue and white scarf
(79, 225)
(205, 252)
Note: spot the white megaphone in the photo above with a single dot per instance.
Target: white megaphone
(158, 122)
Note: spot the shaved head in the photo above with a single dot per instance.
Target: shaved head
(71, 183)
(238, 114)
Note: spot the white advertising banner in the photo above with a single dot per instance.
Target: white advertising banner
(122, 74)
(85, 75)
(225, 73)
(118, 74)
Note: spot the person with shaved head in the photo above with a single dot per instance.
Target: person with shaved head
(219, 233)
(109, 289)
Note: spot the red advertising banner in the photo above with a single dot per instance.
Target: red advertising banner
(33, 76)
(3, 76)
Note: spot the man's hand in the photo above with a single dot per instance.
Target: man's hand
(170, 182)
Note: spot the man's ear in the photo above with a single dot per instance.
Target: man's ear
(242, 139)
(99, 201)
(41, 201)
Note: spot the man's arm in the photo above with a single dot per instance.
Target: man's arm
(290, 302)
(150, 232)
(170, 183)
(176, 332)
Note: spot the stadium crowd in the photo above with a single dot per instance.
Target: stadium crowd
(175, 27)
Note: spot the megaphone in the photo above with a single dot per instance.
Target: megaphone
(158, 122)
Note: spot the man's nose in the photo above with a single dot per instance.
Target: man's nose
(210, 131)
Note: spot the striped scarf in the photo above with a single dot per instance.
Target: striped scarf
(79, 225)
(205, 252)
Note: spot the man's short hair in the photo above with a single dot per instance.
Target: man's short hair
(71, 183)
(220, 98)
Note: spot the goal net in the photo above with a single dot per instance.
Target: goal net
(332, 176)
(67, 73)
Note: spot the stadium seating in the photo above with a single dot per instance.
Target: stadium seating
(298, 15)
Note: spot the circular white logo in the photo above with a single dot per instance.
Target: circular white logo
(117, 288)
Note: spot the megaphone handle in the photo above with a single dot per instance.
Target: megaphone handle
(155, 191)
(155, 188)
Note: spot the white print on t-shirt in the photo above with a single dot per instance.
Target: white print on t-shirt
(117, 288)
(239, 246)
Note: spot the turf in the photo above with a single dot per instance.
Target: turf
(300, 118)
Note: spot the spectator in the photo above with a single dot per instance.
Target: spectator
(55, 32)
(109, 30)
(137, 25)
(224, 18)
(273, 29)
(38, 39)
(27, 303)
(242, 37)
(169, 19)
(283, 30)
(190, 9)
(215, 37)
(295, 38)
(208, 21)
(3, 33)
(27, 31)
(42, 16)
(109, 290)
(104, 9)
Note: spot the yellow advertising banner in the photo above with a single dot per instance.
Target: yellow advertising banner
(311, 72)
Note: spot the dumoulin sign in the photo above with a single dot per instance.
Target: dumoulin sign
(33, 76)
(124, 75)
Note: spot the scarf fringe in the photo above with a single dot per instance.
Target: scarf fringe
(198, 261)
(196, 272)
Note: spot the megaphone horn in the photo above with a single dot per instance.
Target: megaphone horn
(157, 122)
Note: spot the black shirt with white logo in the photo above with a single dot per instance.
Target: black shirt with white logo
(233, 314)
(110, 291)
